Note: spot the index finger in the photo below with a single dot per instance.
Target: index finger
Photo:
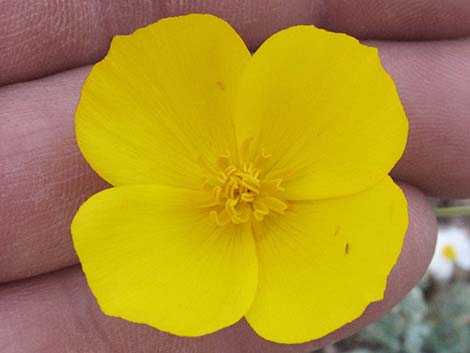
(40, 37)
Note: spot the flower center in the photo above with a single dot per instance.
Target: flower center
(241, 192)
(449, 253)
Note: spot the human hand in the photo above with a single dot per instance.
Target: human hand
(44, 179)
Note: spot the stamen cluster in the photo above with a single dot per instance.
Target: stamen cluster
(242, 192)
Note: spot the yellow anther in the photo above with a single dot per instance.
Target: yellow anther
(230, 207)
(248, 197)
(217, 192)
(231, 169)
(258, 216)
(260, 207)
(250, 185)
(240, 192)
(221, 219)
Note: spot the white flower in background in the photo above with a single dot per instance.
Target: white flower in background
(452, 249)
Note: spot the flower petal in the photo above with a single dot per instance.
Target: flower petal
(322, 105)
(323, 262)
(441, 268)
(457, 237)
(160, 100)
(149, 257)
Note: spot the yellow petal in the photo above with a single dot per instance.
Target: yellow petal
(149, 257)
(323, 262)
(322, 105)
(161, 99)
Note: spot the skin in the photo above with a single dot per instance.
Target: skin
(43, 178)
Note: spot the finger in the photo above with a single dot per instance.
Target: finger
(33, 310)
(45, 179)
(399, 19)
(432, 79)
(40, 37)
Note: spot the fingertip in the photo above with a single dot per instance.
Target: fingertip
(418, 247)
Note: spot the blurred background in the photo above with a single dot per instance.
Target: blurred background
(435, 316)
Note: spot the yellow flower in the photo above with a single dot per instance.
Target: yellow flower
(244, 186)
